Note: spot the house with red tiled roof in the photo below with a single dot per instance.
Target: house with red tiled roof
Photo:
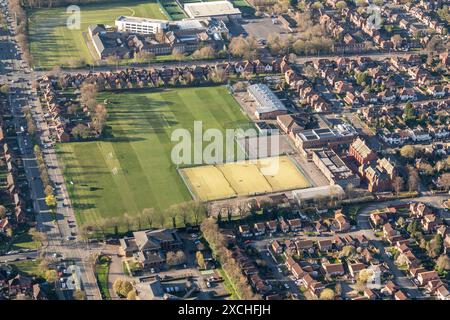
(355, 268)
(427, 276)
(399, 295)
(324, 245)
(333, 269)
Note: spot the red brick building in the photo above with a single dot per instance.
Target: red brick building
(361, 152)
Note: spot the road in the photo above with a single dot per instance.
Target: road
(363, 223)
(14, 71)
(19, 256)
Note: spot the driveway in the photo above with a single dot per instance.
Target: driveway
(116, 272)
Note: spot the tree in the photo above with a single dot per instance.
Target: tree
(50, 275)
(278, 45)
(50, 201)
(177, 55)
(361, 78)
(347, 251)
(317, 5)
(408, 152)
(127, 220)
(413, 179)
(175, 258)
(435, 246)
(131, 295)
(4, 89)
(124, 288)
(112, 60)
(363, 276)
(38, 236)
(327, 294)
(397, 40)
(173, 212)
(117, 285)
(81, 131)
(401, 221)
(341, 5)
(99, 118)
(444, 181)
(181, 257)
(88, 93)
(144, 56)
(200, 260)
(55, 71)
(48, 190)
(413, 227)
(79, 295)
(204, 53)
(398, 184)
(149, 215)
(443, 263)
(161, 219)
(246, 48)
(198, 211)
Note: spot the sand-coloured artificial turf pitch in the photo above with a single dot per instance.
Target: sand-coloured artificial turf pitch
(208, 183)
(244, 178)
(287, 175)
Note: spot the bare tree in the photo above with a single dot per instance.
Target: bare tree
(413, 179)
(184, 213)
(444, 181)
(173, 212)
(161, 217)
(149, 215)
(397, 184)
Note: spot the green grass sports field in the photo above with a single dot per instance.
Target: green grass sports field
(132, 169)
(52, 43)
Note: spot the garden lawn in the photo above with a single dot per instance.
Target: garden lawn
(25, 241)
(132, 168)
(53, 43)
(29, 267)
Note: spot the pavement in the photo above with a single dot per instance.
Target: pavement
(15, 72)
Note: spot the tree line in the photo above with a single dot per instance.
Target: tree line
(185, 214)
(216, 240)
(15, 7)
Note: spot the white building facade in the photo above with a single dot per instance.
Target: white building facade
(140, 25)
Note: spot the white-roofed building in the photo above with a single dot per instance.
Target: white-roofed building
(221, 10)
(310, 194)
(268, 106)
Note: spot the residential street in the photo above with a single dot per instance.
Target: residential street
(363, 223)
(22, 95)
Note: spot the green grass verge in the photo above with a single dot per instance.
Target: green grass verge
(28, 267)
(228, 285)
(24, 241)
(132, 169)
(53, 43)
(101, 273)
